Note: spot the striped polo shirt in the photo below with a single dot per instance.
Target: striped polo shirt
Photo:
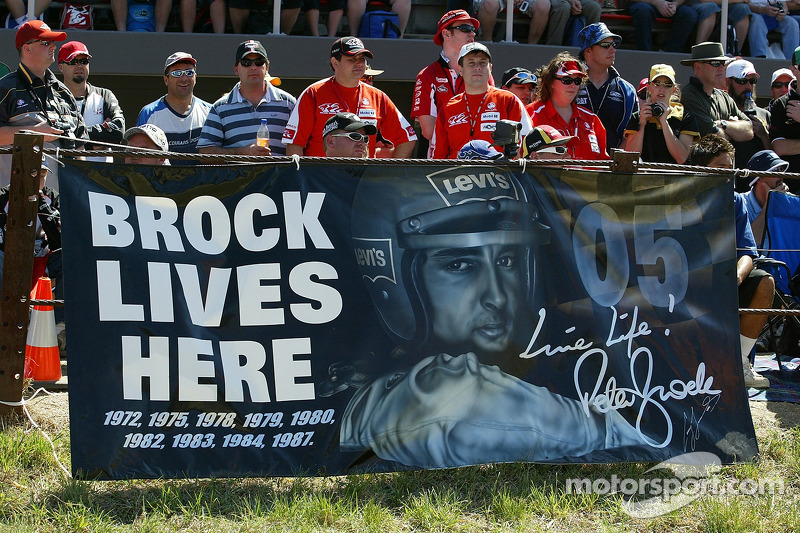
(233, 121)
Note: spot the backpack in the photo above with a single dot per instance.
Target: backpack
(380, 24)
(574, 26)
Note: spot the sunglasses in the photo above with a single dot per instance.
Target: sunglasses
(43, 43)
(607, 45)
(780, 84)
(178, 73)
(256, 62)
(523, 76)
(84, 61)
(354, 136)
(465, 28)
(745, 81)
(715, 63)
(570, 81)
(560, 150)
(667, 84)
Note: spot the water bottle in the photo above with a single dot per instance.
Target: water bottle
(262, 137)
(749, 107)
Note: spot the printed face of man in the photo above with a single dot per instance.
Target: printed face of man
(77, 73)
(473, 295)
(181, 86)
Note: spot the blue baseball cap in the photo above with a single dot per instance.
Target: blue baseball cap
(594, 33)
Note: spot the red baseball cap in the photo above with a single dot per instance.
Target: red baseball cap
(451, 17)
(69, 50)
(570, 68)
(37, 30)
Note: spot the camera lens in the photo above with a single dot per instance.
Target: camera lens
(657, 109)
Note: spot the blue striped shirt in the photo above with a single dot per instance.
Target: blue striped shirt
(233, 122)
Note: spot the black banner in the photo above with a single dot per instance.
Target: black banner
(270, 321)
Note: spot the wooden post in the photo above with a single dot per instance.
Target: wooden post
(18, 266)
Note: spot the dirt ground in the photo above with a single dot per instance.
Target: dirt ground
(51, 411)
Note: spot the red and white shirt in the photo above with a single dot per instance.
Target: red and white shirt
(323, 99)
(589, 132)
(473, 117)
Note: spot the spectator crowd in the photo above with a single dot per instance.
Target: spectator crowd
(578, 108)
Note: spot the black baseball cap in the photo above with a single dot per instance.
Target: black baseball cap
(347, 122)
(349, 46)
(250, 47)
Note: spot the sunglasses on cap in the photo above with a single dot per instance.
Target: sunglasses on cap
(570, 81)
(257, 62)
(353, 136)
(780, 84)
(666, 84)
(178, 73)
(84, 61)
(560, 150)
(716, 63)
(523, 76)
(745, 81)
(607, 45)
(465, 28)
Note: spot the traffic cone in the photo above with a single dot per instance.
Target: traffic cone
(41, 351)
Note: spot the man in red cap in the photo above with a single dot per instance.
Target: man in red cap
(32, 97)
(344, 91)
(100, 109)
(441, 80)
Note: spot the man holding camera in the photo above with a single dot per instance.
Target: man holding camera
(769, 15)
(742, 79)
(474, 114)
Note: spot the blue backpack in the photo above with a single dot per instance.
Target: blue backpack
(380, 24)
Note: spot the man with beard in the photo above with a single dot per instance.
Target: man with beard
(99, 107)
(714, 110)
(742, 79)
(455, 294)
(179, 113)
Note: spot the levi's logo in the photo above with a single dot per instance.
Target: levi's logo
(374, 258)
(469, 184)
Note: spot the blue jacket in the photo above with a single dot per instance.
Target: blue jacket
(613, 103)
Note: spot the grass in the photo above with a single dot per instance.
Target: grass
(35, 495)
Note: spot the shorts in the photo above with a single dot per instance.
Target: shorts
(736, 12)
(748, 287)
(307, 5)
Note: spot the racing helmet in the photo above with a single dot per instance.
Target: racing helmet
(395, 221)
(479, 149)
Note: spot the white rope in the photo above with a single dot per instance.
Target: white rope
(523, 162)
(296, 160)
(23, 403)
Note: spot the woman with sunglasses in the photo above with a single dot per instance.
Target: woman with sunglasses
(555, 106)
(662, 130)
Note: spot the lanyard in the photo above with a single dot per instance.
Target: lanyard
(341, 98)
(474, 120)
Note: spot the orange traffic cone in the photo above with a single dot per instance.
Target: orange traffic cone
(42, 362)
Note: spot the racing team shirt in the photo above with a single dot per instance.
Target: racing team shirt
(323, 99)
(590, 135)
(473, 117)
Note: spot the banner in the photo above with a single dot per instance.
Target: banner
(273, 321)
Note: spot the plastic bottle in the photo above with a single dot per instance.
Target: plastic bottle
(749, 107)
(262, 137)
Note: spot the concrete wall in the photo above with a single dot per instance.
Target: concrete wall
(131, 64)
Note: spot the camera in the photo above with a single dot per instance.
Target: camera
(525, 7)
(780, 7)
(506, 134)
(657, 109)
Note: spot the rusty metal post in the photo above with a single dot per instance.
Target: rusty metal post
(18, 266)
(624, 161)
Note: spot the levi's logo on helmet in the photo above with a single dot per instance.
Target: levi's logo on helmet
(374, 258)
(464, 184)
